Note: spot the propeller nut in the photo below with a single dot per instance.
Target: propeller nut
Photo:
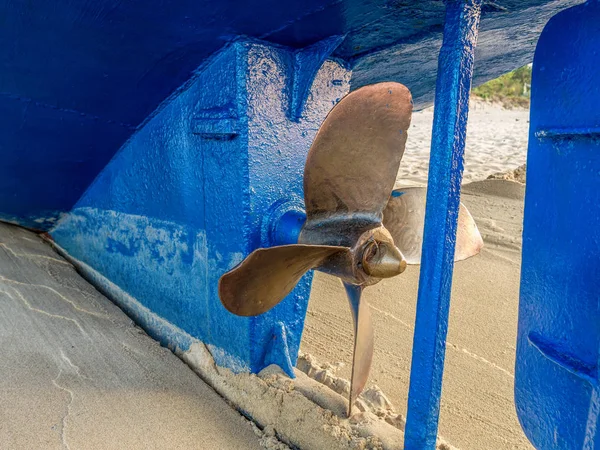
(382, 260)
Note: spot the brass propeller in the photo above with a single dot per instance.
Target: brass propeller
(404, 217)
(353, 225)
(268, 275)
(364, 342)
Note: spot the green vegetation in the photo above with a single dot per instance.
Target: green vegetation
(511, 89)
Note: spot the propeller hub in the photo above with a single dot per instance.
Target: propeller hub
(376, 257)
(382, 260)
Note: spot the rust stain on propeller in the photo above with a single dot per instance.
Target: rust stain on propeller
(350, 172)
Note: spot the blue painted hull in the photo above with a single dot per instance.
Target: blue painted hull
(79, 78)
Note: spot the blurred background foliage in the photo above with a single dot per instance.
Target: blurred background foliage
(511, 89)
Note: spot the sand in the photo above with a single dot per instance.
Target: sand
(477, 409)
(76, 373)
(496, 142)
(307, 413)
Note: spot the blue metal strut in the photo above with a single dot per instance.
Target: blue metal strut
(455, 70)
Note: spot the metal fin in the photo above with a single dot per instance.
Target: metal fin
(363, 342)
(404, 218)
(353, 162)
(267, 275)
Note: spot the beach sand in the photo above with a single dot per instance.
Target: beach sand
(477, 408)
(76, 373)
(496, 142)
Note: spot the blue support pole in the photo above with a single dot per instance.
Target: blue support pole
(455, 70)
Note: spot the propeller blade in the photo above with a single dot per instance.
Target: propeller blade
(353, 162)
(363, 342)
(267, 275)
(404, 218)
